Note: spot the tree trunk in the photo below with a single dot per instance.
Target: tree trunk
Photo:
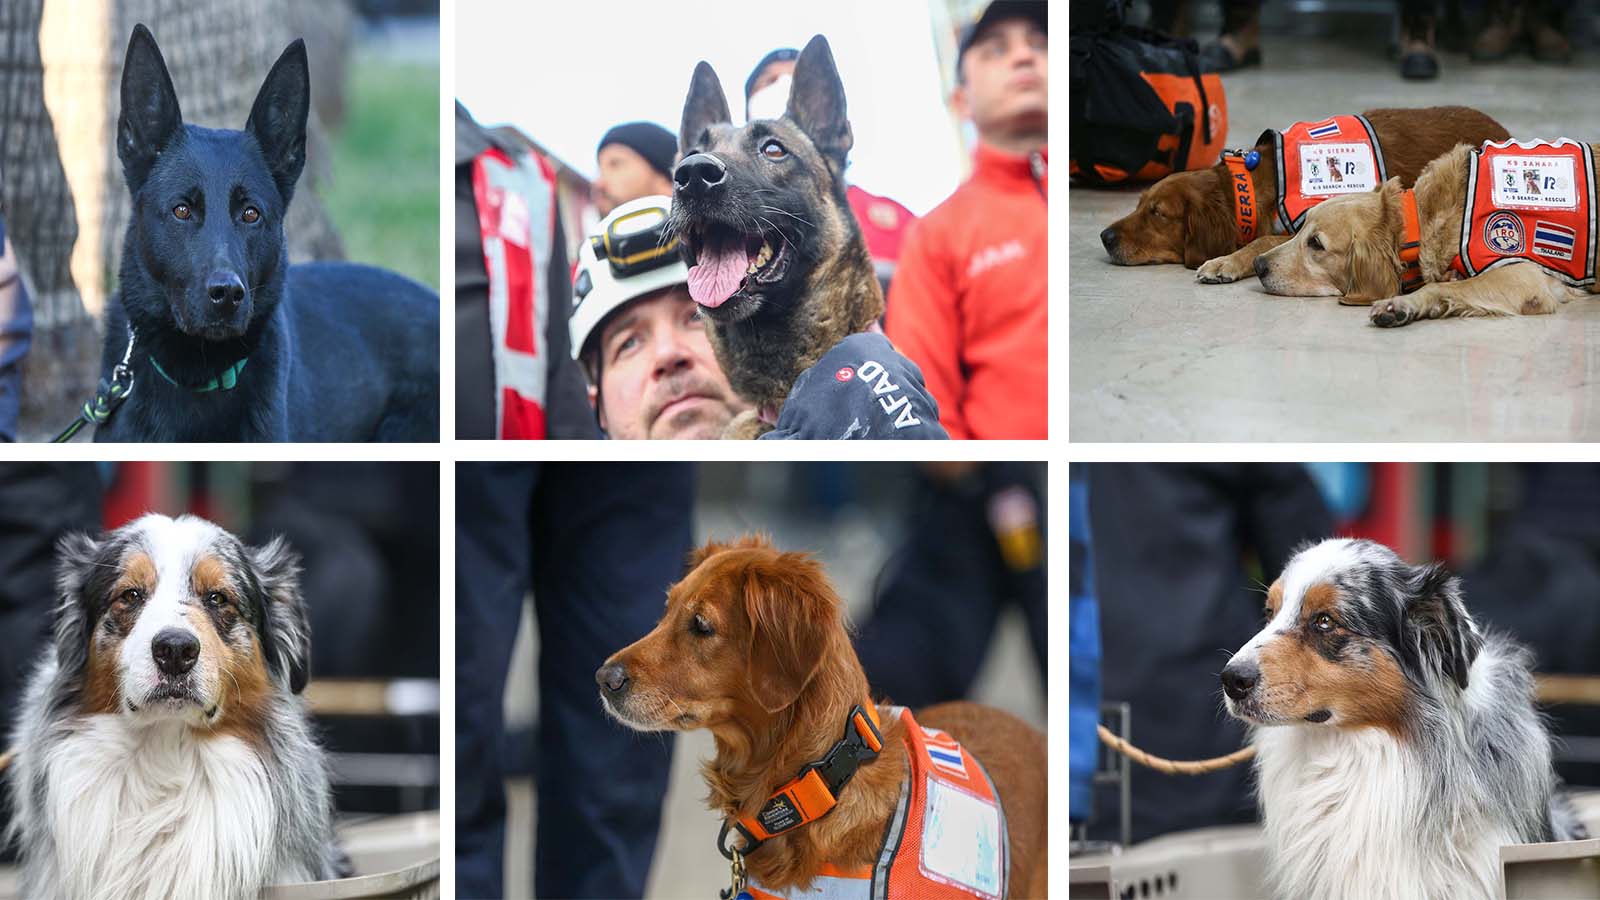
(59, 371)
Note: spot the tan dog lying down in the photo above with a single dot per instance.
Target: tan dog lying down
(1352, 246)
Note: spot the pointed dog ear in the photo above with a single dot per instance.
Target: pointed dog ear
(1443, 631)
(149, 119)
(278, 117)
(704, 107)
(816, 103)
(286, 628)
(793, 614)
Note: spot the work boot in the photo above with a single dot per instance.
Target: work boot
(1418, 59)
(1500, 32)
(1545, 27)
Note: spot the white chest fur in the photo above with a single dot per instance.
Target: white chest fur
(1346, 816)
(154, 811)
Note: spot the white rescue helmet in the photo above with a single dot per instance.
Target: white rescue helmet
(630, 256)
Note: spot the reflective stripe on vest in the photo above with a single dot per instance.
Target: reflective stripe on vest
(1532, 202)
(922, 856)
(1318, 160)
(516, 218)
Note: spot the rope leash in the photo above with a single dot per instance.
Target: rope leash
(1173, 767)
(5, 759)
(107, 397)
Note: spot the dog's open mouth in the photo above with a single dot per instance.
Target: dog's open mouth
(728, 263)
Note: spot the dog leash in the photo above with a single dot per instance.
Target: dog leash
(5, 759)
(1173, 767)
(107, 397)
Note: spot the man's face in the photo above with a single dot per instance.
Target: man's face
(1006, 72)
(624, 176)
(658, 376)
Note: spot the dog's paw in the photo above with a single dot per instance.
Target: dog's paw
(1393, 313)
(1223, 270)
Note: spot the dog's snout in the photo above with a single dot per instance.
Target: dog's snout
(698, 174)
(1108, 239)
(225, 289)
(612, 677)
(1261, 266)
(175, 651)
(1238, 679)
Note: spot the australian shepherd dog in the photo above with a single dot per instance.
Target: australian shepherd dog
(161, 750)
(1397, 745)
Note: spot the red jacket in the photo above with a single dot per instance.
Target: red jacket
(968, 302)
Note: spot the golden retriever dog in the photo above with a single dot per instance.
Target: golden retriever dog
(753, 647)
(1350, 248)
(1188, 217)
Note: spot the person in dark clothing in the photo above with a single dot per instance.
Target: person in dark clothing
(515, 377)
(1172, 543)
(598, 545)
(934, 596)
(39, 503)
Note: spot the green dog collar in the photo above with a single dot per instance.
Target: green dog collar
(226, 380)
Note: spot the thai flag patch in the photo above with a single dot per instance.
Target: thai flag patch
(1554, 240)
(1323, 129)
(945, 752)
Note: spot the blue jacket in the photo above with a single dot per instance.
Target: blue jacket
(862, 388)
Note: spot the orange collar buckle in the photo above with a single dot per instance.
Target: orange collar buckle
(815, 791)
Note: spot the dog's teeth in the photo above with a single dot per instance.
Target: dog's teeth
(753, 266)
(763, 257)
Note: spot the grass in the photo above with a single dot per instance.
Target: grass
(384, 194)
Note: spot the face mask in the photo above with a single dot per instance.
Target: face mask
(770, 101)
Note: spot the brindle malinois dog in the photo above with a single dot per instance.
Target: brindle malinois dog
(776, 260)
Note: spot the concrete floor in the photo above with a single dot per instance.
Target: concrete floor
(1158, 357)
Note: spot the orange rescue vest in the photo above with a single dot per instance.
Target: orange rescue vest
(1318, 160)
(947, 839)
(1531, 202)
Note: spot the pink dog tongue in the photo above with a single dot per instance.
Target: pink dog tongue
(717, 276)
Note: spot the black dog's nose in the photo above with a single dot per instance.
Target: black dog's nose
(175, 650)
(225, 289)
(1239, 678)
(698, 174)
(612, 676)
(1261, 266)
(1108, 239)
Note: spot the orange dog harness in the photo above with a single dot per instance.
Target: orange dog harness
(1410, 243)
(1531, 202)
(1318, 160)
(947, 839)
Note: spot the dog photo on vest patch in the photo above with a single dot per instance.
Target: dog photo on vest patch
(777, 727)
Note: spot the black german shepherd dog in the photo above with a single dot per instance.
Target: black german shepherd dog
(225, 340)
(777, 262)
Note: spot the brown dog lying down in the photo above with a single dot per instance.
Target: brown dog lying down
(1351, 246)
(1190, 217)
(753, 647)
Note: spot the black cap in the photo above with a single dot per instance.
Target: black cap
(996, 11)
(782, 54)
(658, 146)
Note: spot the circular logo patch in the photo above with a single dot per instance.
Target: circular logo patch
(844, 374)
(1503, 233)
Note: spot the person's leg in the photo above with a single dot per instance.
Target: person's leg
(492, 558)
(1418, 40)
(936, 608)
(610, 540)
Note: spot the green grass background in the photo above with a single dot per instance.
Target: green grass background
(384, 194)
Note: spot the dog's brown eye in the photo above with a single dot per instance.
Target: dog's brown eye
(132, 595)
(181, 211)
(1323, 623)
(698, 625)
(773, 150)
(1315, 242)
(250, 214)
(216, 599)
